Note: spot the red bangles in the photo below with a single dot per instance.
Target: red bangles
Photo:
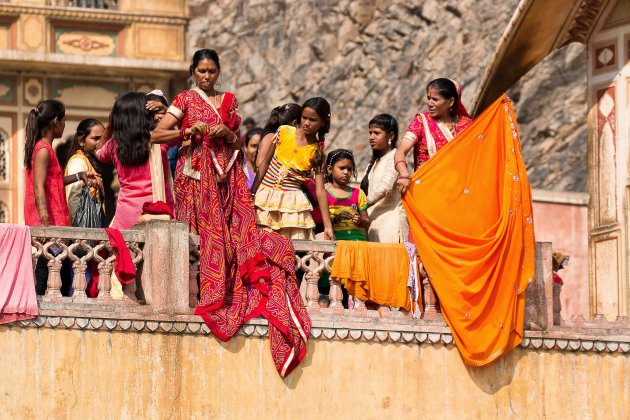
(404, 177)
(399, 161)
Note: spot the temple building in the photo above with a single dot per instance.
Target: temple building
(84, 53)
(537, 29)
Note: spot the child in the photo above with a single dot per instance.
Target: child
(82, 157)
(250, 150)
(45, 202)
(281, 205)
(347, 207)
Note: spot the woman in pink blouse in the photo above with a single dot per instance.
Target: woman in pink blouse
(128, 148)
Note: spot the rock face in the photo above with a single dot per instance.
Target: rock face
(367, 57)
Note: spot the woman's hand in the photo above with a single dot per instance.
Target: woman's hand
(198, 129)
(403, 185)
(156, 107)
(356, 219)
(90, 178)
(219, 130)
(344, 215)
(328, 234)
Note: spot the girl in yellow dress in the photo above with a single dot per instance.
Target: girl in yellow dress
(281, 205)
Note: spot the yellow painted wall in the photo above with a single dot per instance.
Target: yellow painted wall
(57, 373)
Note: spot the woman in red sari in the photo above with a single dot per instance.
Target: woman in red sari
(432, 129)
(243, 273)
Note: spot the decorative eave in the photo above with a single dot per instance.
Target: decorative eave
(537, 28)
(601, 337)
(96, 15)
(109, 65)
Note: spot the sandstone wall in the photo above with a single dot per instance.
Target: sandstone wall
(369, 56)
(80, 374)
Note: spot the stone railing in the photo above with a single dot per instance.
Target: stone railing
(167, 262)
(86, 4)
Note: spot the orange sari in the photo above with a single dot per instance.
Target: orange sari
(470, 214)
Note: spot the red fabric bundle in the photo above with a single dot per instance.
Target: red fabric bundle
(159, 207)
(124, 268)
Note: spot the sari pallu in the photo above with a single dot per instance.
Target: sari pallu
(470, 214)
(189, 107)
(244, 273)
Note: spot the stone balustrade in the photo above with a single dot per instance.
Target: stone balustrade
(167, 261)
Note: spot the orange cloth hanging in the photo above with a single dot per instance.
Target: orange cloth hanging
(374, 272)
(470, 214)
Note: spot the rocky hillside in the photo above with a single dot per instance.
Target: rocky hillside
(369, 57)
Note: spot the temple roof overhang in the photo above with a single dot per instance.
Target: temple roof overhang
(537, 28)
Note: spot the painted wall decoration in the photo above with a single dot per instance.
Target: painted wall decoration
(606, 132)
(82, 42)
(4, 156)
(33, 91)
(605, 57)
(4, 213)
(95, 94)
(7, 90)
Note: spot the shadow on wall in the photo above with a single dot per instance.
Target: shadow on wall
(492, 378)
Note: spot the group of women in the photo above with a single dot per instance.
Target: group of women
(277, 181)
(244, 200)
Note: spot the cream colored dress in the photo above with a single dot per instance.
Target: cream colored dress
(389, 222)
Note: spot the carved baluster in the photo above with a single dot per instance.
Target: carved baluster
(335, 294)
(193, 273)
(36, 243)
(133, 289)
(54, 266)
(430, 299)
(312, 267)
(105, 266)
(359, 304)
(79, 267)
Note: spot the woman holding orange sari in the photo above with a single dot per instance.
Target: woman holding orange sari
(432, 129)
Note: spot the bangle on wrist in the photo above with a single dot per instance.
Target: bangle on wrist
(404, 177)
(78, 177)
(233, 139)
(399, 161)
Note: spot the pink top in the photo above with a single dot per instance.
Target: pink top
(135, 185)
(55, 192)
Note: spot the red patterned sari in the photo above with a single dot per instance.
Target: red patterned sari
(243, 273)
(189, 107)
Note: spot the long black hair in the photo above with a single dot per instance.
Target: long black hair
(282, 115)
(38, 121)
(83, 130)
(204, 54)
(334, 157)
(322, 108)
(251, 133)
(130, 124)
(389, 125)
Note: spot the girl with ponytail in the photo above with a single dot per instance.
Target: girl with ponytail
(45, 202)
(287, 161)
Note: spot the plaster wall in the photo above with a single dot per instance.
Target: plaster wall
(57, 373)
(566, 227)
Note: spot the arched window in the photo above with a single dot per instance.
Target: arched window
(4, 154)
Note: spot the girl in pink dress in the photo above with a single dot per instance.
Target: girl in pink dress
(127, 146)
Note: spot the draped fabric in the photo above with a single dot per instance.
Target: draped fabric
(189, 107)
(245, 273)
(470, 214)
(373, 272)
